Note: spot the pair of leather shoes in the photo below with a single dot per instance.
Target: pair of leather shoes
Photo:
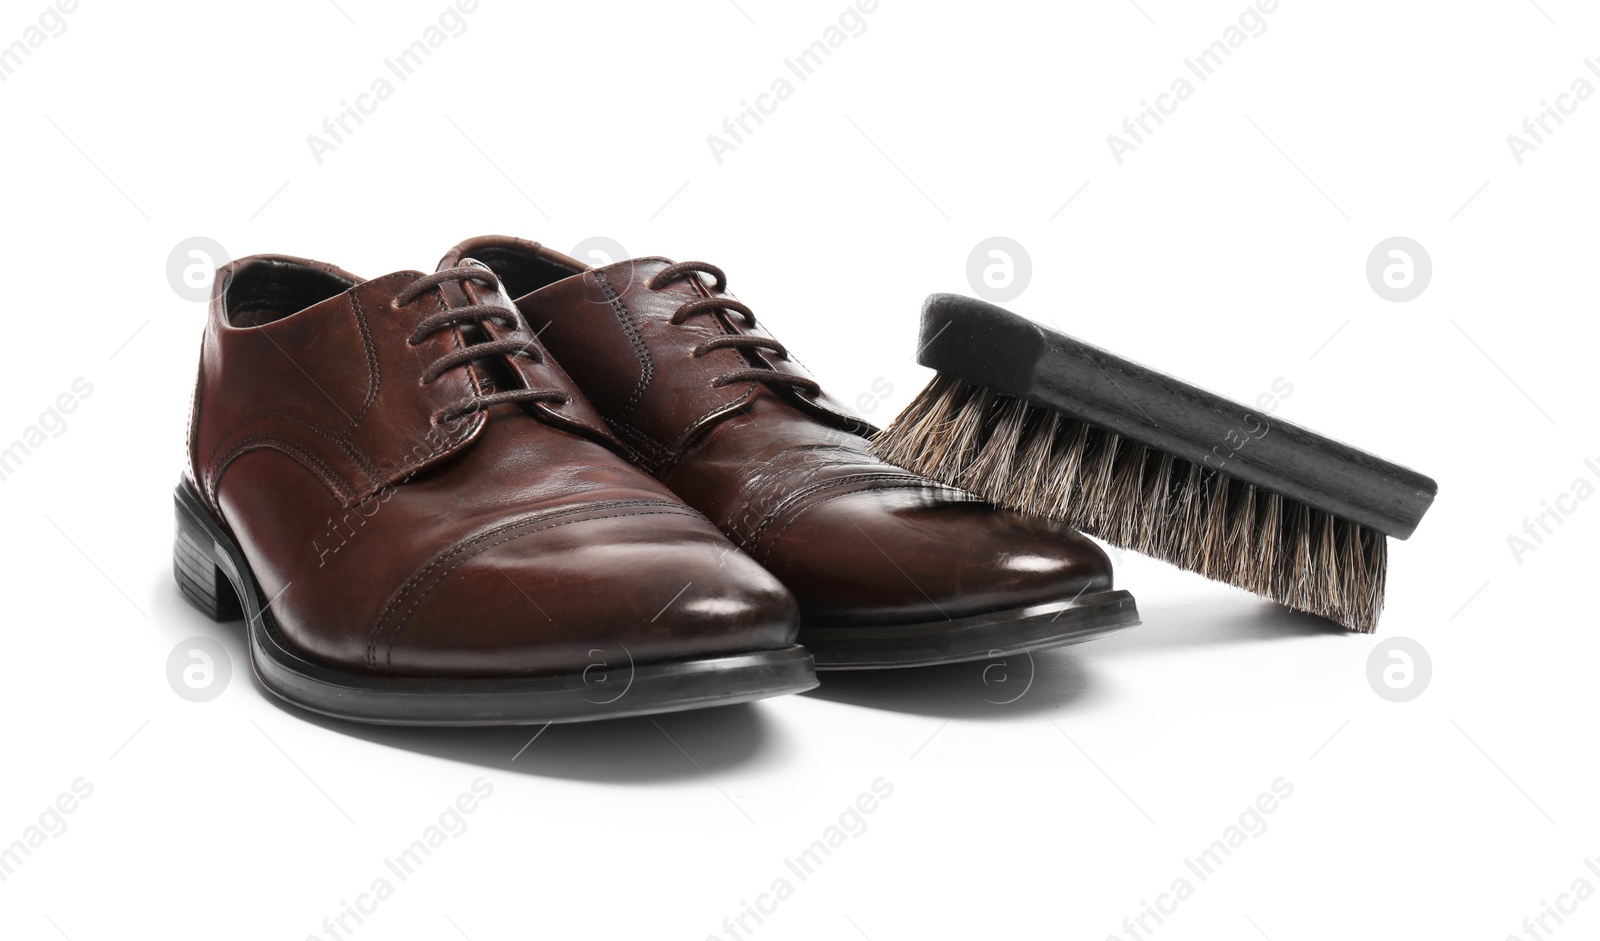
(523, 490)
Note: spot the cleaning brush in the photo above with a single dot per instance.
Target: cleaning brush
(1034, 420)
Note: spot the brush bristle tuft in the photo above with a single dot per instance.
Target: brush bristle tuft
(1033, 460)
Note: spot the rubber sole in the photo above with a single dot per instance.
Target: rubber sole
(214, 576)
(980, 637)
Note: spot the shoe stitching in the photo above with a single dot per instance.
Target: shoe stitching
(310, 461)
(373, 374)
(345, 445)
(647, 368)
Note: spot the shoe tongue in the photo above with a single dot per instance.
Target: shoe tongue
(499, 373)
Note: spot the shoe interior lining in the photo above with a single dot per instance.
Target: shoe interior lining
(520, 271)
(269, 290)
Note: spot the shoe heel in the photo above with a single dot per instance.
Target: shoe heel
(201, 582)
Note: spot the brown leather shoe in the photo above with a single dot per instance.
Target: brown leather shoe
(426, 523)
(890, 569)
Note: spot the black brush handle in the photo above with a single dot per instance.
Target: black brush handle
(980, 343)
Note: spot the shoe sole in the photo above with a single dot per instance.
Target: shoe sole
(214, 576)
(980, 637)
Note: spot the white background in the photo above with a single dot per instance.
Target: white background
(1230, 248)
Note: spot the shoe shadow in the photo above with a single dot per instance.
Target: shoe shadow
(687, 745)
(1210, 621)
(1007, 687)
(639, 751)
(1022, 685)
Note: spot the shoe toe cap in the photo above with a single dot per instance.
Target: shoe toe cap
(622, 589)
(907, 555)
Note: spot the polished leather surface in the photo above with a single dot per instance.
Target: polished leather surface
(515, 540)
(785, 473)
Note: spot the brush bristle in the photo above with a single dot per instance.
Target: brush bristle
(1040, 462)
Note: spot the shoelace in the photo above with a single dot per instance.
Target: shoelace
(685, 269)
(477, 314)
